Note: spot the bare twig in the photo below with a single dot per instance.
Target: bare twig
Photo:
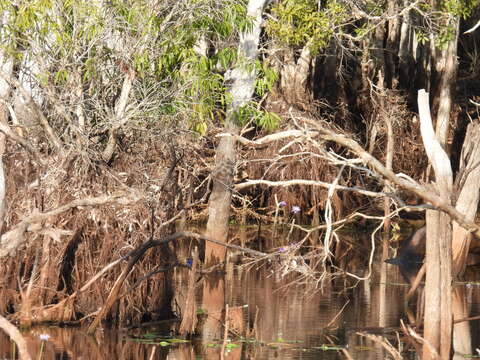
(413, 334)
(384, 343)
(30, 102)
(413, 187)
(22, 141)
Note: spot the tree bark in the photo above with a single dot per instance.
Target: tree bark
(467, 186)
(448, 63)
(243, 86)
(6, 66)
(438, 256)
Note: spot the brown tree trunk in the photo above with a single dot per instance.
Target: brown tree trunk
(220, 198)
(438, 256)
(447, 67)
(243, 86)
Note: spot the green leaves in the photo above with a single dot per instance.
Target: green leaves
(266, 78)
(298, 22)
(263, 119)
(460, 8)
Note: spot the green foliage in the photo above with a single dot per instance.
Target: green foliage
(266, 78)
(92, 45)
(263, 119)
(422, 37)
(301, 22)
(445, 35)
(460, 8)
(441, 20)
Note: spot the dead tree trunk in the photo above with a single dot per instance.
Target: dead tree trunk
(243, 86)
(467, 186)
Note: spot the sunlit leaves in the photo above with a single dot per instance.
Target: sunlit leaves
(266, 78)
(83, 49)
(298, 22)
(263, 119)
(460, 8)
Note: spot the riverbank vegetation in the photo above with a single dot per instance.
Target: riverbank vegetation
(124, 122)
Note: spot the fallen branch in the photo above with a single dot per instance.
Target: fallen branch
(271, 138)
(294, 182)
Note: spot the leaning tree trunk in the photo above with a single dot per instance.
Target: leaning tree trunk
(438, 257)
(243, 86)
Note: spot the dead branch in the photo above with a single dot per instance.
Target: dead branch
(135, 255)
(30, 102)
(271, 138)
(409, 185)
(294, 182)
(384, 343)
(408, 330)
(12, 331)
(4, 128)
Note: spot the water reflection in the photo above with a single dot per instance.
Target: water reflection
(284, 322)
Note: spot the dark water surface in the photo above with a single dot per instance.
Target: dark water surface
(290, 322)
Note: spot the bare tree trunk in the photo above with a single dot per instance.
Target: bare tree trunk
(462, 335)
(243, 86)
(6, 67)
(448, 68)
(405, 51)
(467, 186)
(220, 198)
(438, 256)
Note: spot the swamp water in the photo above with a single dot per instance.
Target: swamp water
(287, 320)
